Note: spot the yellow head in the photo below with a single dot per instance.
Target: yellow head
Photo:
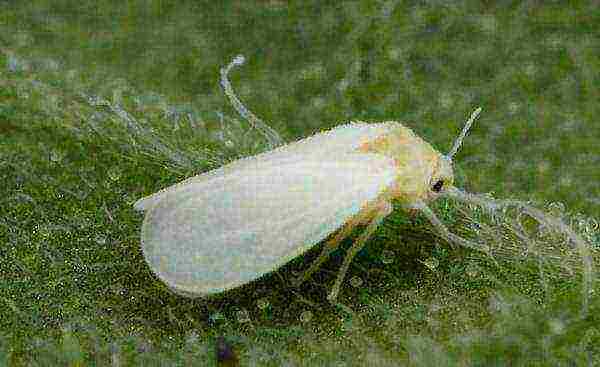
(423, 172)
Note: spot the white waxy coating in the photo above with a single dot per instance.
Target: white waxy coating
(342, 139)
(227, 228)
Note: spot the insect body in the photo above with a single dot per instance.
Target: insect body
(227, 227)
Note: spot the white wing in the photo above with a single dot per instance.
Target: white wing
(342, 139)
(228, 230)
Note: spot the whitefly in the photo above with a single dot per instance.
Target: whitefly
(232, 225)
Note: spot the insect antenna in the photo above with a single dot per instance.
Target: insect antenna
(543, 219)
(271, 135)
(463, 133)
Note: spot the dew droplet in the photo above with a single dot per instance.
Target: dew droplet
(579, 221)
(343, 85)
(445, 99)
(432, 263)
(318, 102)
(556, 326)
(530, 69)
(57, 156)
(543, 231)
(513, 107)
(497, 304)
(242, 316)
(192, 338)
(23, 94)
(488, 23)
(263, 303)
(100, 239)
(114, 173)
(387, 256)
(472, 270)
(81, 222)
(556, 209)
(565, 180)
(356, 281)
(306, 316)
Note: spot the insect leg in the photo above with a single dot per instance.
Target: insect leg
(383, 212)
(328, 248)
(446, 234)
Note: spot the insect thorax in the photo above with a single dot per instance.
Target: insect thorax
(416, 160)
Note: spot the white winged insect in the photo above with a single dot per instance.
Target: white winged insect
(229, 226)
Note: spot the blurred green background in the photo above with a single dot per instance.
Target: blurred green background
(74, 283)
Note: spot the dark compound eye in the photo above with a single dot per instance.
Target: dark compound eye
(437, 187)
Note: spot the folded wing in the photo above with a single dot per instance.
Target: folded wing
(340, 140)
(227, 230)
